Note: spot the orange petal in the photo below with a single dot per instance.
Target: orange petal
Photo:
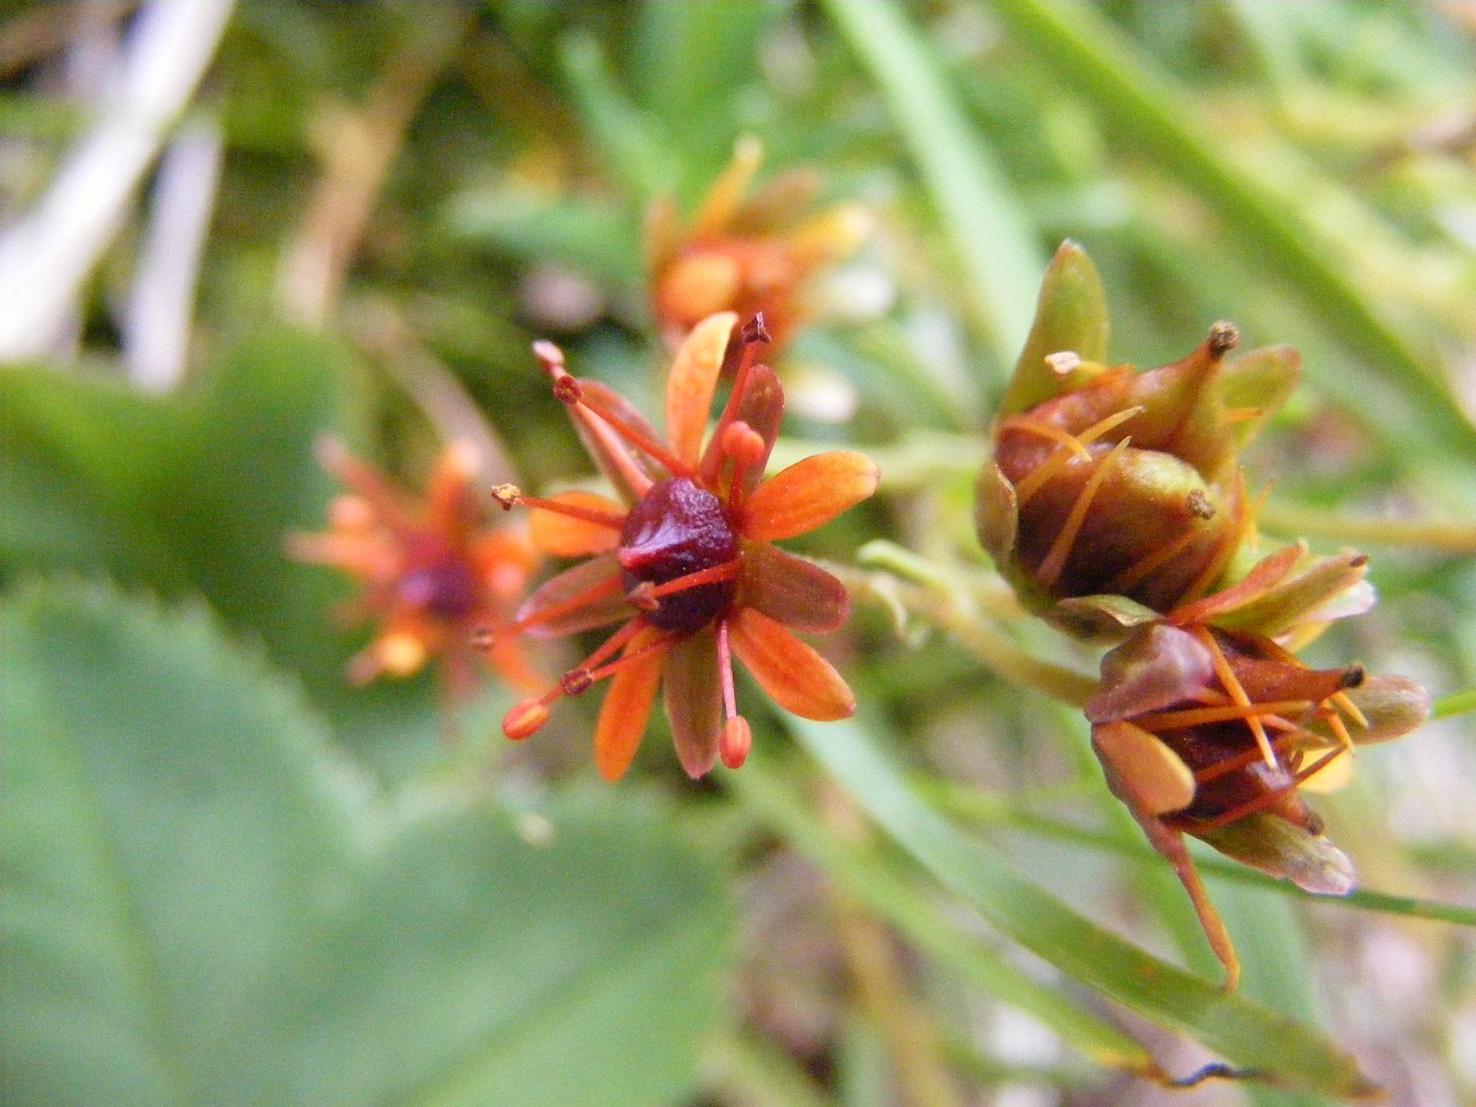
(587, 596)
(627, 707)
(797, 592)
(1265, 574)
(809, 494)
(692, 382)
(566, 536)
(796, 677)
(452, 510)
(694, 701)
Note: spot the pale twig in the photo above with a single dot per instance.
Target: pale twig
(156, 328)
(357, 149)
(47, 254)
(379, 326)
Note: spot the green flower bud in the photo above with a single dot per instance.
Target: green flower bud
(1110, 482)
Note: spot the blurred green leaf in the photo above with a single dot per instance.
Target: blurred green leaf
(1084, 49)
(195, 494)
(894, 898)
(200, 905)
(1243, 1033)
(991, 238)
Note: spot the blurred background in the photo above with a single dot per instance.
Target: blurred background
(227, 229)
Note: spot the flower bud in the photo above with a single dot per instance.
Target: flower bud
(1110, 482)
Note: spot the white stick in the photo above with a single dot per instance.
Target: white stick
(156, 327)
(47, 254)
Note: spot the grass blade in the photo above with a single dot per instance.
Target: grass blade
(994, 244)
(1277, 1048)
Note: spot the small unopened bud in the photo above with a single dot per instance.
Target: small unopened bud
(743, 444)
(735, 741)
(507, 495)
(525, 720)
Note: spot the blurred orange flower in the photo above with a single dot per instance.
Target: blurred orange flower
(685, 564)
(430, 572)
(746, 255)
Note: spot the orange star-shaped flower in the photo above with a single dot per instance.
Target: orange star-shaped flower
(429, 572)
(686, 564)
(745, 254)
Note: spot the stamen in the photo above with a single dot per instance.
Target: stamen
(1345, 703)
(725, 671)
(1320, 764)
(1055, 559)
(746, 447)
(711, 575)
(656, 645)
(643, 442)
(734, 742)
(524, 720)
(574, 511)
(367, 482)
(1145, 565)
(1197, 716)
(485, 638)
(569, 392)
(1237, 693)
(1249, 807)
(749, 337)
(1058, 460)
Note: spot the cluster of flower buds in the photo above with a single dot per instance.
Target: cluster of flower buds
(1115, 503)
(746, 254)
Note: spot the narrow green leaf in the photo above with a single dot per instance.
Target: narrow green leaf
(990, 236)
(200, 905)
(1084, 50)
(1243, 1033)
(893, 897)
(1457, 703)
(626, 136)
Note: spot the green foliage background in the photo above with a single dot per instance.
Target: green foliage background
(229, 877)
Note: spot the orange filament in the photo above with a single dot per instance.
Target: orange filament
(592, 594)
(654, 646)
(712, 575)
(569, 393)
(725, 671)
(1174, 720)
(1236, 692)
(752, 334)
(1145, 565)
(1055, 559)
(574, 511)
(643, 442)
(1062, 455)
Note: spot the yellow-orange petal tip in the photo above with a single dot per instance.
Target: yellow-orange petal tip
(524, 720)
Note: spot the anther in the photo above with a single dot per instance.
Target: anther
(1199, 505)
(734, 742)
(1315, 825)
(482, 638)
(567, 390)
(755, 331)
(525, 720)
(1223, 337)
(576, 681)
(1353, 677)
(507, 495)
